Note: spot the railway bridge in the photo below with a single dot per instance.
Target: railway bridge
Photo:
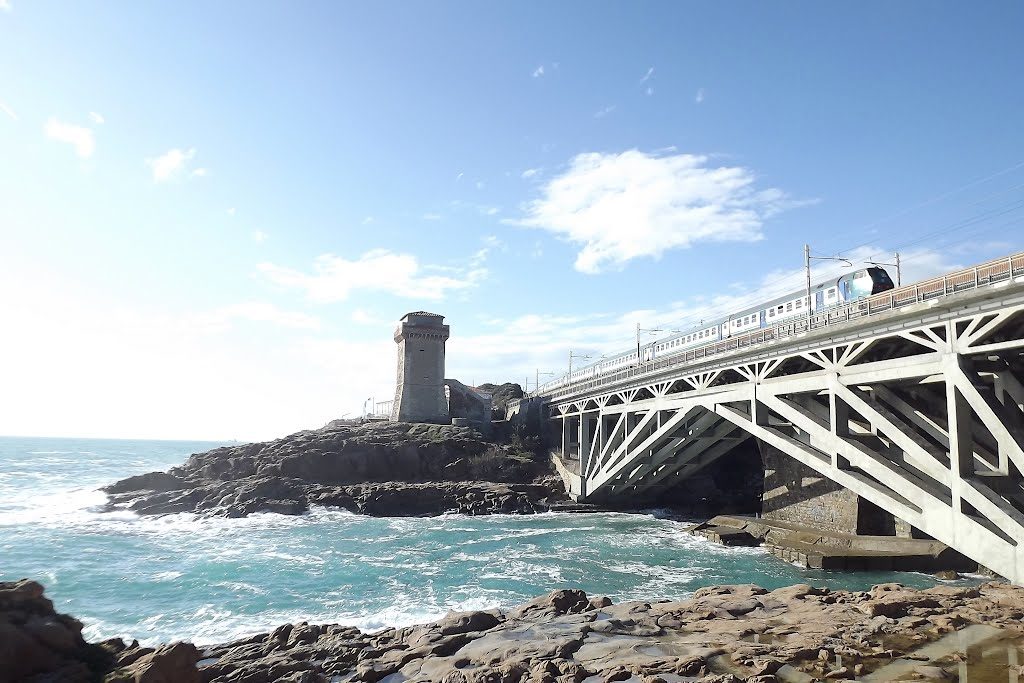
(913, 399)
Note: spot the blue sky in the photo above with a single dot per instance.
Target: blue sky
(212, 214)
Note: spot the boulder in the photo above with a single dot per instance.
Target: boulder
(174, 663)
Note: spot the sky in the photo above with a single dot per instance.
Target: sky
(212, 215)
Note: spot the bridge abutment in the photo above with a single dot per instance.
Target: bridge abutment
(796, 493)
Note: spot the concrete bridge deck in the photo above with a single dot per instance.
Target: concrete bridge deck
(911, 400)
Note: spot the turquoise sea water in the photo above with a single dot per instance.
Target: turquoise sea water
(212, 579)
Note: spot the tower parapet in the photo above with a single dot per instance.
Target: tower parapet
(419, 389)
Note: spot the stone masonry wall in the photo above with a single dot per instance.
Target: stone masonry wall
(794, 492)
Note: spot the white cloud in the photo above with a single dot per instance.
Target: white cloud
(367, 220)
(699, 97)
(491, 211)
(530, 172)
(231, 211)
(79, 137)
(459, 177)
(647, 76)
(5, 5)
(431, 216)
(603, 112)
(480, 185)
(620, 207)
(259, 237)
(335, 278)
(7, 110)
(649, 91)
(170, 164)
(96, 118)
(200, 173)
(539, 71)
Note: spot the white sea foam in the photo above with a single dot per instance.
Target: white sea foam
(59, 508)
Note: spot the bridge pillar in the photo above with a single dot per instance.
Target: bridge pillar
(839, 418)
(758, 413)
(585, 443)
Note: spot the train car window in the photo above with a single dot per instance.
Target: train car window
(800, 303)
(789, 306)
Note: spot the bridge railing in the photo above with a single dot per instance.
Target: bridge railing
(983, 275)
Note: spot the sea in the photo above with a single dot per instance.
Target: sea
(210, 579)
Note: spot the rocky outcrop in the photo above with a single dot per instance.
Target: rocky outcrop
(37, 643)
(723, 634)
(384, 469)
(501, 394)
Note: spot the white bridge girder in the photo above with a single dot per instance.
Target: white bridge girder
(926, 422)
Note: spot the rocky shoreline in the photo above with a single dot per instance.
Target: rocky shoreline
(382, 469)
(722, 634)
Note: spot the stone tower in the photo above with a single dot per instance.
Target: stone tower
(419, 389)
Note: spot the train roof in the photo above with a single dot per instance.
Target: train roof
(756, 308)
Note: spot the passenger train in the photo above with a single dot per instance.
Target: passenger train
(825, 295)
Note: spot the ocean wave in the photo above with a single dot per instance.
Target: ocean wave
(212, 579)
(58, 508)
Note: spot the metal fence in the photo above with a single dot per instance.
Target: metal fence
(983, 275)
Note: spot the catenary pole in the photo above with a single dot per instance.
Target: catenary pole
(807, 271)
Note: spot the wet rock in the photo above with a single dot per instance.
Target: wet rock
(554, 604)
(153, 481)
(383, 469)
